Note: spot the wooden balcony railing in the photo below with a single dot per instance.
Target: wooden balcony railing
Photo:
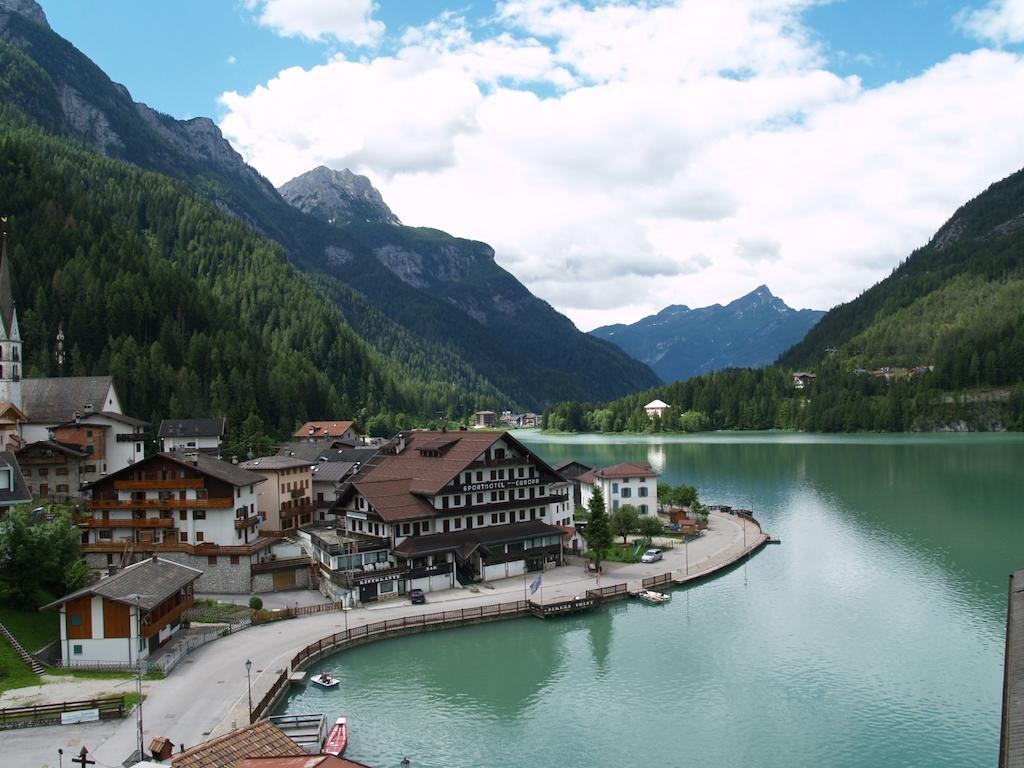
(161, 622)
(159, 485)
(205, 548)
(246, 522)
(161, 504)
(115, 522)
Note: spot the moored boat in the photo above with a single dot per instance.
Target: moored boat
(325, 680)
(337, 739)
(652, 597)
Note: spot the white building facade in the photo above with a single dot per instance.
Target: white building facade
(621, 485)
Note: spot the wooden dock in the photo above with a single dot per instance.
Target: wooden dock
(1011, 737)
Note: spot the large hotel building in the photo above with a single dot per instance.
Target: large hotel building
(436, 509)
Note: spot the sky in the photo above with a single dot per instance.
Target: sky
(619, 155)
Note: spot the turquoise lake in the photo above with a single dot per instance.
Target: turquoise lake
(872, 637)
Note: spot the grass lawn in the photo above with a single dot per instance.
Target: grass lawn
(34, 629)
(624, 554)
(13, 674)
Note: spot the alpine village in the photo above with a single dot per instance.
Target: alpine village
(247, 432)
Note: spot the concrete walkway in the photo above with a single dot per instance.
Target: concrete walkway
(206, 694)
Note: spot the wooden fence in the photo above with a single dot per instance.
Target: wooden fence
(654, 581)
(109, 707)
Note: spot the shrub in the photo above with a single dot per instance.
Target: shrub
(256, 603)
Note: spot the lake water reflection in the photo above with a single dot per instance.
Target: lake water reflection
(872, 637)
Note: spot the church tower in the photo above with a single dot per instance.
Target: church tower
(10, 336)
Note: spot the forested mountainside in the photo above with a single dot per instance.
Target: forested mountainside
(956, 299)
(680, 342)
(192, 312)
(423, 289)
(939, 344)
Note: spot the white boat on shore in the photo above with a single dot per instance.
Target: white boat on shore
(325, 680)
(652, 597)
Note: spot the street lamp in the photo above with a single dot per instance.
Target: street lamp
(248, 681)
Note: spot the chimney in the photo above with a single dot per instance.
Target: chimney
(88, 408)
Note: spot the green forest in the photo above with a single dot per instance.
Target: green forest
(189, 310)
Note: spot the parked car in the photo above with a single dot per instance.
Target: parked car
(651, 556)
(417, 596)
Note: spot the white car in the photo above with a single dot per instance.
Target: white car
(651, 556)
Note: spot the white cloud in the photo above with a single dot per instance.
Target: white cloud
(348, 21)
(231, 59)
(621, 158)
(1001, 21)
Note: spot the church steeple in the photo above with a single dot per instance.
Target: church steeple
(10, 335)
(8, 315)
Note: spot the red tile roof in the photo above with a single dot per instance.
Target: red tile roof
(324, 429)
(618, 471)
(396, 484)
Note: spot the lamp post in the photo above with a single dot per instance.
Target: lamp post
(248, 682)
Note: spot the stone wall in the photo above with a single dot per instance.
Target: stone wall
(223, 577)
(264, 582)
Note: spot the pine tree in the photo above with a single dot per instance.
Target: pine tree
(599, 532)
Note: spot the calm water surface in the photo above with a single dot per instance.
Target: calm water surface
(872, 637)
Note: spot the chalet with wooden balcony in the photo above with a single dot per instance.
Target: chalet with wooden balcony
(53, 470)
(286, 500)
(124, 618)
(192, 508)
(447, 508)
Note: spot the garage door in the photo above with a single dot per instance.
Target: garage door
(284, 579)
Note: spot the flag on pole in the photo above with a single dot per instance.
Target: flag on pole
(536, 584)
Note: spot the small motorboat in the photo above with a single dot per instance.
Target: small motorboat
(337, 739)
(652, 597)
(325, 680)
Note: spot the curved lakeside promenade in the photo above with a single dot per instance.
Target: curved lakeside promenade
(206, 695)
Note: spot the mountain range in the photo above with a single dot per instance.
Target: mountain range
(680, 342)
(437, 308)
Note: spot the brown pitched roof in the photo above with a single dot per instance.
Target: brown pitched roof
(274, 463)
(55, 400)
(395, 483)
(392, 499)
(309, 761)
(324, 429)
(153, 580)
(618, 471)
(261, 739)
(233, 474)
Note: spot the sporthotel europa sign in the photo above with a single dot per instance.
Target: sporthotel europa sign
(500, 485)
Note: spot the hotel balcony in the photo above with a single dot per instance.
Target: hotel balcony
(247, 522)
(227, 503)
(159, 485)
(299, 493)
(126, 522)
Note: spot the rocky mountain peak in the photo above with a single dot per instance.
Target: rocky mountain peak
(30, 9)
(337, 197)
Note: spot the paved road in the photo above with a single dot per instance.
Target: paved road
(206, 694)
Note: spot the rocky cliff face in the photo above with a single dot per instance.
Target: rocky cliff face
(337, 197)
(27, 8)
